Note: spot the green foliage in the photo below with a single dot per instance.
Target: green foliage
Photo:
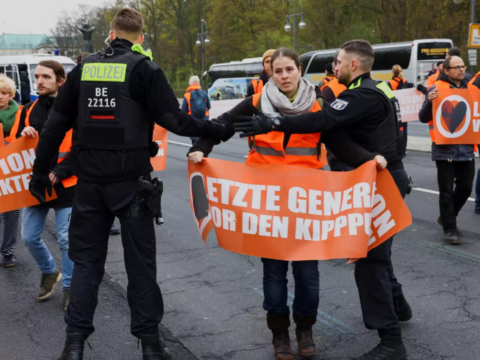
(246, 28)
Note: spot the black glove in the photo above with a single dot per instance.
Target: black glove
(252, 125)
(153, 148)
(421, 88)
(38, 185)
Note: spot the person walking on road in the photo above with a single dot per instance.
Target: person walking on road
(256, 86)
(113, 100)
(455, 163)
(10, 219)
(196, 101)
(288, 93)
(49, 77)
(368, 111)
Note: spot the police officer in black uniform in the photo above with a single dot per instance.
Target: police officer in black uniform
(112, 100)
(371, 115)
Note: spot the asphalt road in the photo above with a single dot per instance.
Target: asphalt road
(213, 298)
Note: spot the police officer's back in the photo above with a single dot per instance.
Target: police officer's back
(112, 100)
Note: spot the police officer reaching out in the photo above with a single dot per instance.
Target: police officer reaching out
(369, 112)
(112, 100)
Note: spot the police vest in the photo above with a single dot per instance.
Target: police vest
(188, 97)
(395, 83)
(388, 137)
(14, 129)
(335, 86)
(257, 86)
(63, 151)
(440, 84)
(109, 119)
(302, 149)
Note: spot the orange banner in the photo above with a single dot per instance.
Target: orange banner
(160, 136)
(456, 116)
(2, 140)
(16, 162)
(295, 213)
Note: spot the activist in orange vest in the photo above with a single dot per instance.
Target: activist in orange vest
(256, 86)
(432, 79)
(398, 82)
(455, 163)
(288, 93)
(10, 219)
(194, 83)
(49, 77)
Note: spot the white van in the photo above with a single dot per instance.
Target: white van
(21, 68)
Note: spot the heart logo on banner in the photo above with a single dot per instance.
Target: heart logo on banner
(453, 115)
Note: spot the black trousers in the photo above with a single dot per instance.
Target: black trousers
(455, 183)
(376, 282)
(94, 208)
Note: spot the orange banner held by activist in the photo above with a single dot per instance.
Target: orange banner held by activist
(16, 162)
(2, 139)
(160, 136)
(295, 213)
(456, 116)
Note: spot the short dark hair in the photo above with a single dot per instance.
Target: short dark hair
(440, 63)
(81, 56)
(454, 51)
(287, 53)
(129, 21)
(364, 51)
(329, 68)
(57, 68)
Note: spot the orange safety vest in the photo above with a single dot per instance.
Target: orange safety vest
(474, 78)
(257, 86)
(395, 83)
(433, 79)
(302, 149)
(63, 151)
(14, 129)
(335, 86)
(445, 85)
(188, 96)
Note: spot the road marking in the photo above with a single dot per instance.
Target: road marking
(433, 192)
(448, 249)
(179, 143)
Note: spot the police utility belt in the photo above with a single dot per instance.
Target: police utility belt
(148, 200)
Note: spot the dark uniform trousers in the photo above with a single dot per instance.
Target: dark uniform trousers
(94, 208)
(376, 282)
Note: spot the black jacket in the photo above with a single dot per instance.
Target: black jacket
(446, 152)
(337, 140)
(38, 117)
(263, 77)
(148, 87)
(359, 111)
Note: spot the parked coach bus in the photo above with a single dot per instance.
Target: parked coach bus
(21, 68)
(247, 68)
(415, 57)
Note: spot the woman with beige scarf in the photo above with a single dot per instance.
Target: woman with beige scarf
(289, 94)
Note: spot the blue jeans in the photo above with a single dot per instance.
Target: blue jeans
(33, 223)
(307, 287)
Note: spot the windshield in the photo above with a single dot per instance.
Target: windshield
(67, 67)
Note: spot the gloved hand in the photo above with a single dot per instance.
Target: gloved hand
(252, 125)
(38, 185)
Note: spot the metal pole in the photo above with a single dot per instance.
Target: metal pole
(203, 65)
(295, 25)
(472, 20)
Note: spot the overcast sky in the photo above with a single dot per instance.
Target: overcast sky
(36, 16)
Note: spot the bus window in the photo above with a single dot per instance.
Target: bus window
(433, 50)
(385, 58)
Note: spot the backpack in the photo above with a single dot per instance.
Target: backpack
(198, 104)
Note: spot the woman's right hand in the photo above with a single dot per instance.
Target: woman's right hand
(30, 132)
(196, 157)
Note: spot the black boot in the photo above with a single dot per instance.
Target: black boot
(73, 349)
(153, 348)
(279, 324)
(402, 308)
(388, 349)
(306, 346)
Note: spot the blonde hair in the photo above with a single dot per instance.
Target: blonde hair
(7, 83)
(397, 71)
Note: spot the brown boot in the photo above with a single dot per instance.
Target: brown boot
(306, 346)
(279, 324)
